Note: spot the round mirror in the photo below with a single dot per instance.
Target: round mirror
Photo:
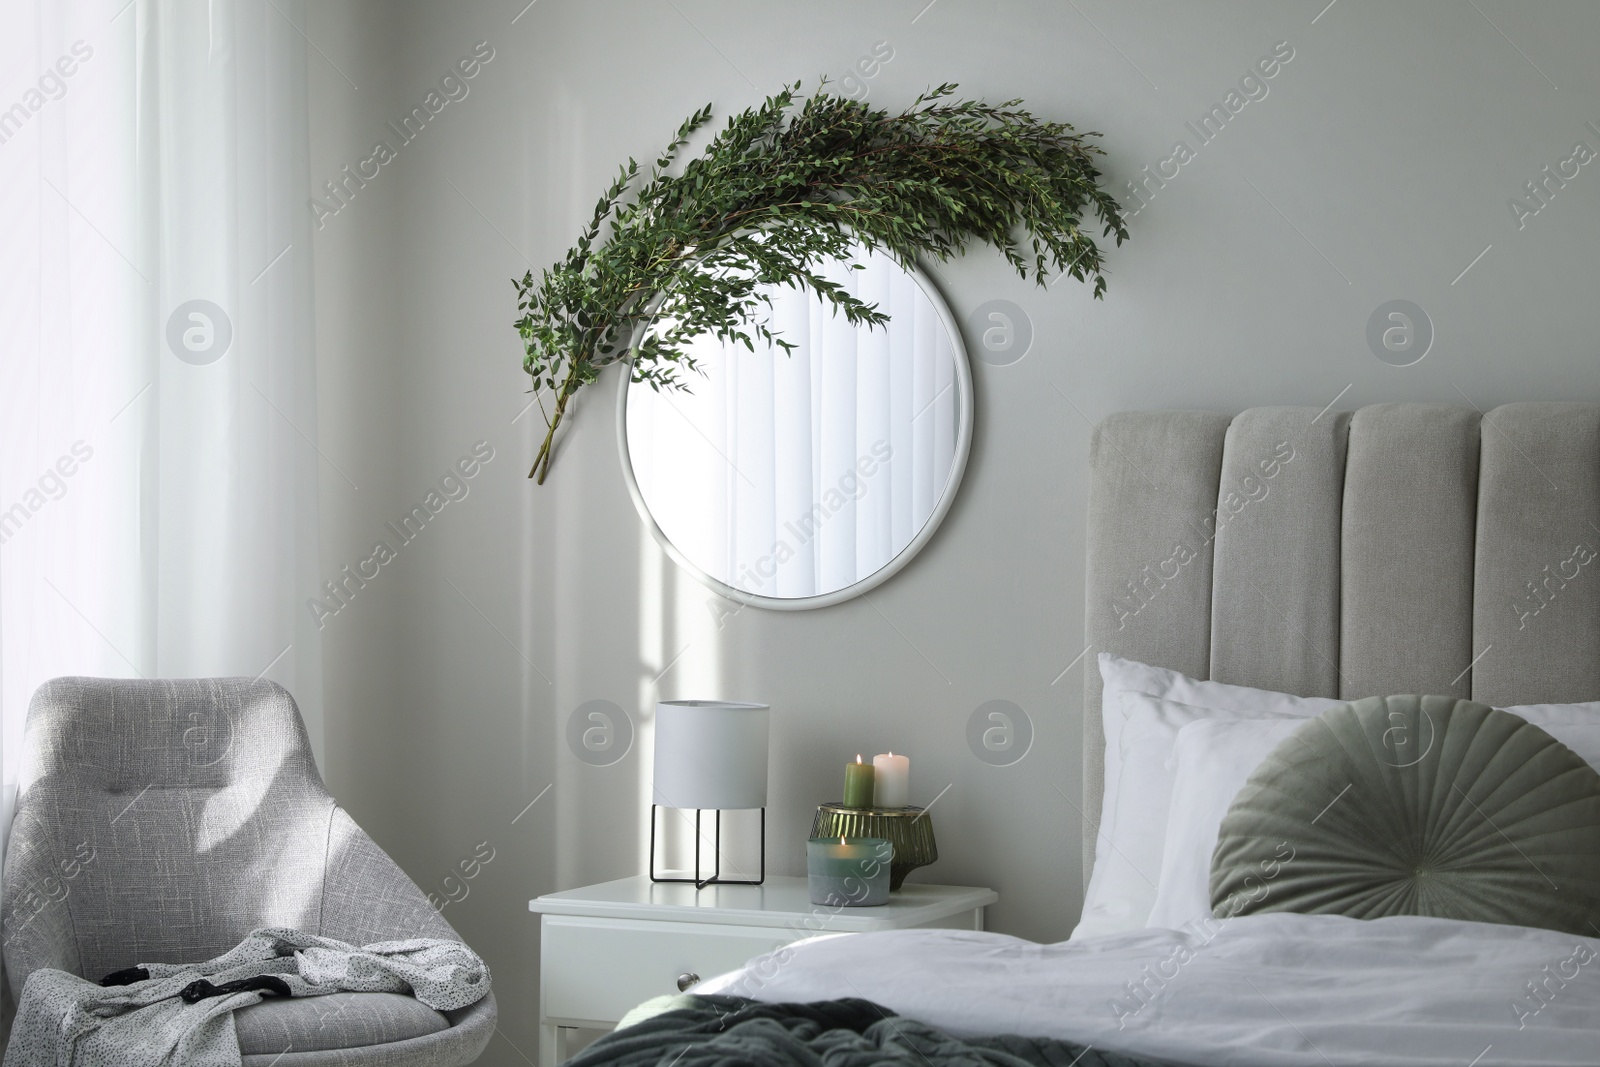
(802, 479)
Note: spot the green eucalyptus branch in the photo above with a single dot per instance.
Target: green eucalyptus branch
(784, 188)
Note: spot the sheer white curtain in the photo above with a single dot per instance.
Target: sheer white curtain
(158, 471)
(796, 475)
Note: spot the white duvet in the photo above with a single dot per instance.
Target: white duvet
(1275, 990)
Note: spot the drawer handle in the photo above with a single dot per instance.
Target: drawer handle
(687, 979)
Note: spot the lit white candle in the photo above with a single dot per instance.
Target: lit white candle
(891, 781)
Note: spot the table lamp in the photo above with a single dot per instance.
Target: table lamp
(711, 755)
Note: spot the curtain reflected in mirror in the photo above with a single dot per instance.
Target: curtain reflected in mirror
(799, 475)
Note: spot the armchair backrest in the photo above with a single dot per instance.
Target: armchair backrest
(164, 820)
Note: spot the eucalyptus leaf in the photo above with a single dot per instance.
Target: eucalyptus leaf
(784, 187)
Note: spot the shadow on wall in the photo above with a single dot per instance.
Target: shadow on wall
(604, 775)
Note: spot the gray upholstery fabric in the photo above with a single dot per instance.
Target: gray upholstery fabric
(162, 821)
(1537, 604)
(1152, 516)
(1275, 594)
(1410, 507)
(1405, 536)
(338, 1020)
(469, 1031)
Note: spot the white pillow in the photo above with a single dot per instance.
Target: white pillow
(1212, 760)
(1131, 676)
(1548, 715)
(1142, 711)
(1234, 701)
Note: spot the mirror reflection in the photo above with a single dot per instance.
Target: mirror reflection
(806, 475)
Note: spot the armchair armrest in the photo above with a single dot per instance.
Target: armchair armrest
(366, 897)
(36, 928)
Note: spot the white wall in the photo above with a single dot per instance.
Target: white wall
(1378, 166)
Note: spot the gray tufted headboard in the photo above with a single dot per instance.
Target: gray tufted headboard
(1404, 548)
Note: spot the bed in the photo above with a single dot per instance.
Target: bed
(1401, 548)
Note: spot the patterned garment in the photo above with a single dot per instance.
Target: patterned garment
(66, 1021)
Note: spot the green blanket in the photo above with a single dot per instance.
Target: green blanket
(691, 1031)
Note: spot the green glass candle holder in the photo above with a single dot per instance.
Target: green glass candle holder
(909, 830)
(849, 872)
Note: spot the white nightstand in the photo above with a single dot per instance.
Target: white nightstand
(607, 948)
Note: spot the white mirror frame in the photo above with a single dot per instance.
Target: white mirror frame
(958, 466)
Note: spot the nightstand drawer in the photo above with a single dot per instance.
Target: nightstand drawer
(596, 970)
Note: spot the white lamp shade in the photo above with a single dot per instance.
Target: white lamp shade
(711, 754)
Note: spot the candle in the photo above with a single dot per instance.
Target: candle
(891, 781)
(848, 872)
(858, 784)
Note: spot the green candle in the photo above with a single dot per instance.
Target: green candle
(858, 784)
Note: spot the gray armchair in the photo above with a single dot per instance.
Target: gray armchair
(162, 821)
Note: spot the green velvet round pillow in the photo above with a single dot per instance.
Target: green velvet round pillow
(1411, 805)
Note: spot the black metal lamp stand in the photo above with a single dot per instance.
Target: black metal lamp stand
(716, 874)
